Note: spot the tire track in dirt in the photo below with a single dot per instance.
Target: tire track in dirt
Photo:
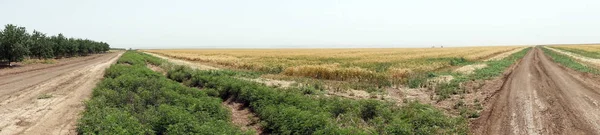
(24, 111)
(44, 66)
(11, 77)
(542, 97)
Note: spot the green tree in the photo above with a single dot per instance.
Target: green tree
(72, 47)
(13, 48)
(40, 47)
(59, 45)
(84, 47)
(105, 47)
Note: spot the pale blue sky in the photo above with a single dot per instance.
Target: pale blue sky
(310, 23)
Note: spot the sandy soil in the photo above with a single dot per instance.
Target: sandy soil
(47, 99)
(271, 82)
(470, 69)
(542, 97)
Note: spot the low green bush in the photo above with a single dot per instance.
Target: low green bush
(179, 73)
(133, 99)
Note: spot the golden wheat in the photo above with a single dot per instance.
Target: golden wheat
(337, 64)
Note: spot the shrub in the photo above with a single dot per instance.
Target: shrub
(133, 99)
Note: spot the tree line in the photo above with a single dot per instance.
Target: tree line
(16, 44)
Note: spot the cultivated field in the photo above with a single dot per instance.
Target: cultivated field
(142, 94)
(374, 66)
(376, 60)
(466, 94)
(589, 50)
(586, 47)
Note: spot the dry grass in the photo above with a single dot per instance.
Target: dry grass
(368, 65)
(39, 61)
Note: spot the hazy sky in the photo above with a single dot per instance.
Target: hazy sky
(310, 23)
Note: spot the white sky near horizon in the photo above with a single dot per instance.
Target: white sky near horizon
(148, 24)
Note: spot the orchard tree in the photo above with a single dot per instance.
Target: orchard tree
(13, 39)
(1, 50)
(84, 47)
(16, 44)
(40, 47)
(72, 47)
(59, 45)
(105, 47)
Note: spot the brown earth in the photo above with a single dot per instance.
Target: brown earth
(47, 99)
(542, 97)
(242, 116)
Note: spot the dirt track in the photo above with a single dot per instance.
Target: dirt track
(542, 97)
(48, 100)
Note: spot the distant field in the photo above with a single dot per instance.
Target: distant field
(587, 47)
(588, 50)
(338, 64)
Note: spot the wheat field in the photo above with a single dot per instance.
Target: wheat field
(337, 64)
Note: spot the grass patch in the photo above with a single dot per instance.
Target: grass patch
(569, 62)
(39, 61)
(44, 96)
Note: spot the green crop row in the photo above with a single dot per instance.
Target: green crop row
(139, 59)
(296, 111)
(569, 62)
(133, 99)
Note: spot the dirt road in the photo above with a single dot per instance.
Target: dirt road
(541, 97)
(48, 100)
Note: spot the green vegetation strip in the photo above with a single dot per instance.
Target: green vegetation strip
(295, 111)
(133, 99)
(569, 62)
